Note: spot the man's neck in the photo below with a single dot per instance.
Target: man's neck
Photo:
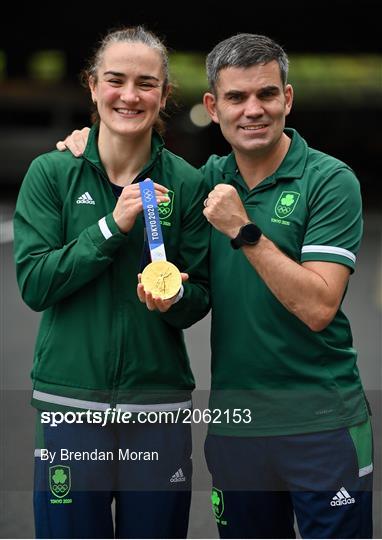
(254, 168)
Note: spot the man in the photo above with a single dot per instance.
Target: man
(287, 226)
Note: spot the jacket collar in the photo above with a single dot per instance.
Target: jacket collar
(91, 152)
(292, 166)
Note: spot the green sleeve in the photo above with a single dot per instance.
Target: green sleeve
(334, 229)
(48, 270)
(192, 259)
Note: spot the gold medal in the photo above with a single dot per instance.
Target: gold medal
(162, 279)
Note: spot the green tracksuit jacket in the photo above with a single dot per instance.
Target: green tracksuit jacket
(97, 345)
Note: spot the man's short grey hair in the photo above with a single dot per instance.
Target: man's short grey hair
(244, 51)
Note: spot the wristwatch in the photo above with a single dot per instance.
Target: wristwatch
(249, 235)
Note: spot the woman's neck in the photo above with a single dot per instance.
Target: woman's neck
(123, 157)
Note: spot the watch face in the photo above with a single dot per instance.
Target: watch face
(250, 233)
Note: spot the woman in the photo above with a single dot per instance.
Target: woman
(79, 244)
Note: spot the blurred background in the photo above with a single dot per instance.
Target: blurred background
(336, 70)
(335, 57)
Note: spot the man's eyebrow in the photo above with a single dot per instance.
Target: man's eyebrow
(233, 92)
(268, 88)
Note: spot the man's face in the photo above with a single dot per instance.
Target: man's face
(250, 105)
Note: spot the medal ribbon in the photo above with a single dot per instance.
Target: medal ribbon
(153, 226)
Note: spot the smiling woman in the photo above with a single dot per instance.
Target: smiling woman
(133, 62)
(79, 244)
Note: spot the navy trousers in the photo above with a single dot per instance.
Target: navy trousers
(324, 479)
(145, 468)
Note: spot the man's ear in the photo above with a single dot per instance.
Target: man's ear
(209, 101)
(288, 93)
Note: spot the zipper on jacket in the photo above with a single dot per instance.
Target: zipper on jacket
(119, 304)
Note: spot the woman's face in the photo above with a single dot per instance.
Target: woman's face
(129, 90)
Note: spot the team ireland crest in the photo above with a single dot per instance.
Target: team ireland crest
(165, 208)
(217, 500)
(286, 203)
(59, 480)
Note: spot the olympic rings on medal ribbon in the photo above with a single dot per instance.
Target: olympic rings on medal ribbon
(147, 195)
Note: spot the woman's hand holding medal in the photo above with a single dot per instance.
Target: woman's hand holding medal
(129, 205)
(154, 302)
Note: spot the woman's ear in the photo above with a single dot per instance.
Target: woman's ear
(93, 87)
(167, 91)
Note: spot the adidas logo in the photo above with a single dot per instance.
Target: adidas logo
(86, 198)
(178, 476)
(342, 497)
